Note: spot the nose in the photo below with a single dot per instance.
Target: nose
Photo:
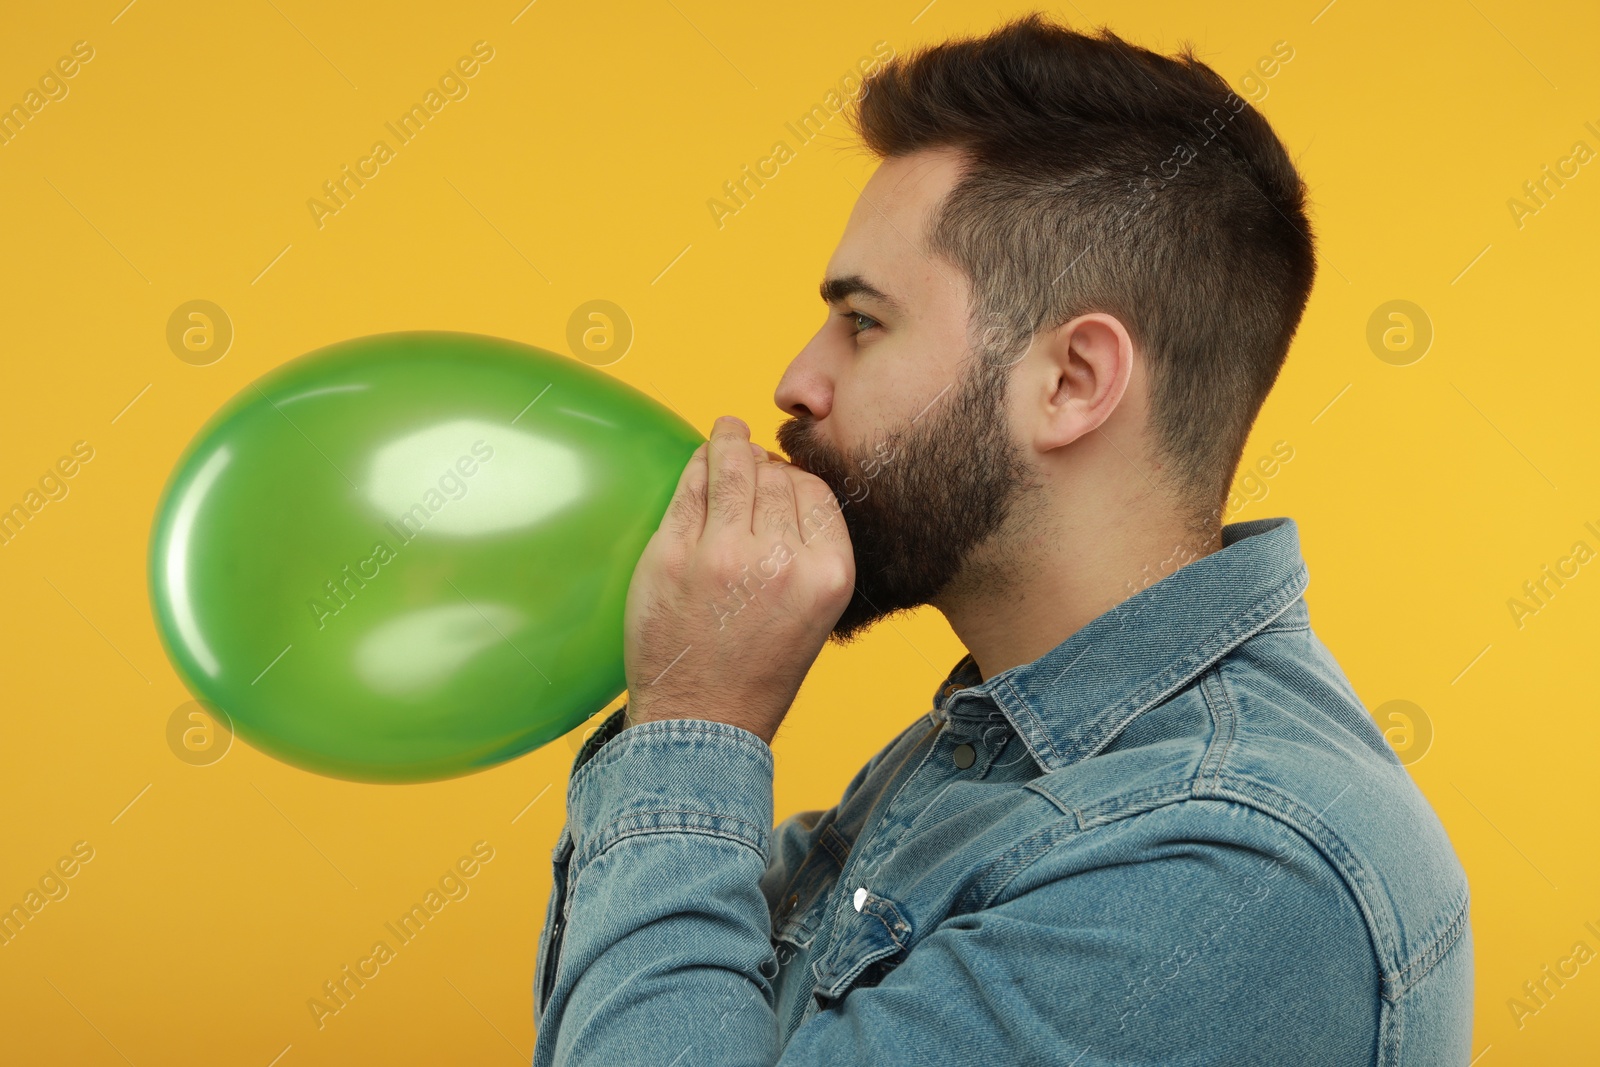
(805, 388)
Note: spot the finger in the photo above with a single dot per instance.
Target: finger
(817, 510)
(686, 514)
(826, 536)
(774, 514)
(731, 484)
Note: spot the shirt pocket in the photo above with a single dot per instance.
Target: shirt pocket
(866, 945)
(799, 907)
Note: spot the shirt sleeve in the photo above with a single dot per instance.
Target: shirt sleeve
(663, 935)
(789, 845)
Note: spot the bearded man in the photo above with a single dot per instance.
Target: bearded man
(1146, 819)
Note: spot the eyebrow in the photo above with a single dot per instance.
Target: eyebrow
(833, 290)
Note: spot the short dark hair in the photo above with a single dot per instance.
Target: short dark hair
(1105, 177)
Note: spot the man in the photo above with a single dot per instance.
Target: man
(1147, 819)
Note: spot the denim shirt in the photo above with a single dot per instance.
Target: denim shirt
(1178, 837)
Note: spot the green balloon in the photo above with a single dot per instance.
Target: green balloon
(405, 557)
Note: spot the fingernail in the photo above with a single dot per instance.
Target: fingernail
(757, 451)
(741, 422)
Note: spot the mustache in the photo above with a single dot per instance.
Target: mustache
(798, 439)
(851, 475)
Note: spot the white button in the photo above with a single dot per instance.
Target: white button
(861, 897)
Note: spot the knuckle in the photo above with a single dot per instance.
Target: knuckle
(774, 567)
(664, 555)
(839, 581)
(810, 481)
(727, 563)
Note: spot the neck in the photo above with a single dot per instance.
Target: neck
(1012, 604)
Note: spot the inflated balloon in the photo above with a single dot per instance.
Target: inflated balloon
(405, 557)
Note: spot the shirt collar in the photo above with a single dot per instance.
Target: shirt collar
(1073, 701)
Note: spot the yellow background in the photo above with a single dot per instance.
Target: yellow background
(579, 168)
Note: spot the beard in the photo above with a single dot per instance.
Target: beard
(922, 498)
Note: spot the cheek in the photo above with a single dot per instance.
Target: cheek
(897, 383)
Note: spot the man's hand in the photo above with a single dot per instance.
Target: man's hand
(737, 590)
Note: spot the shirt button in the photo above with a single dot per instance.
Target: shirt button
(964, 756)
(861, 897)
(789, 904)
(951, 688)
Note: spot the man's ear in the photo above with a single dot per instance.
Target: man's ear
(1081, 375)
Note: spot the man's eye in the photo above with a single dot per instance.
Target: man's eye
(860, 323)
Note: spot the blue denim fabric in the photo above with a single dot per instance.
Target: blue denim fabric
(1176, 838)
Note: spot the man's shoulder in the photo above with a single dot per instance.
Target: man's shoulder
(1273, 744)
